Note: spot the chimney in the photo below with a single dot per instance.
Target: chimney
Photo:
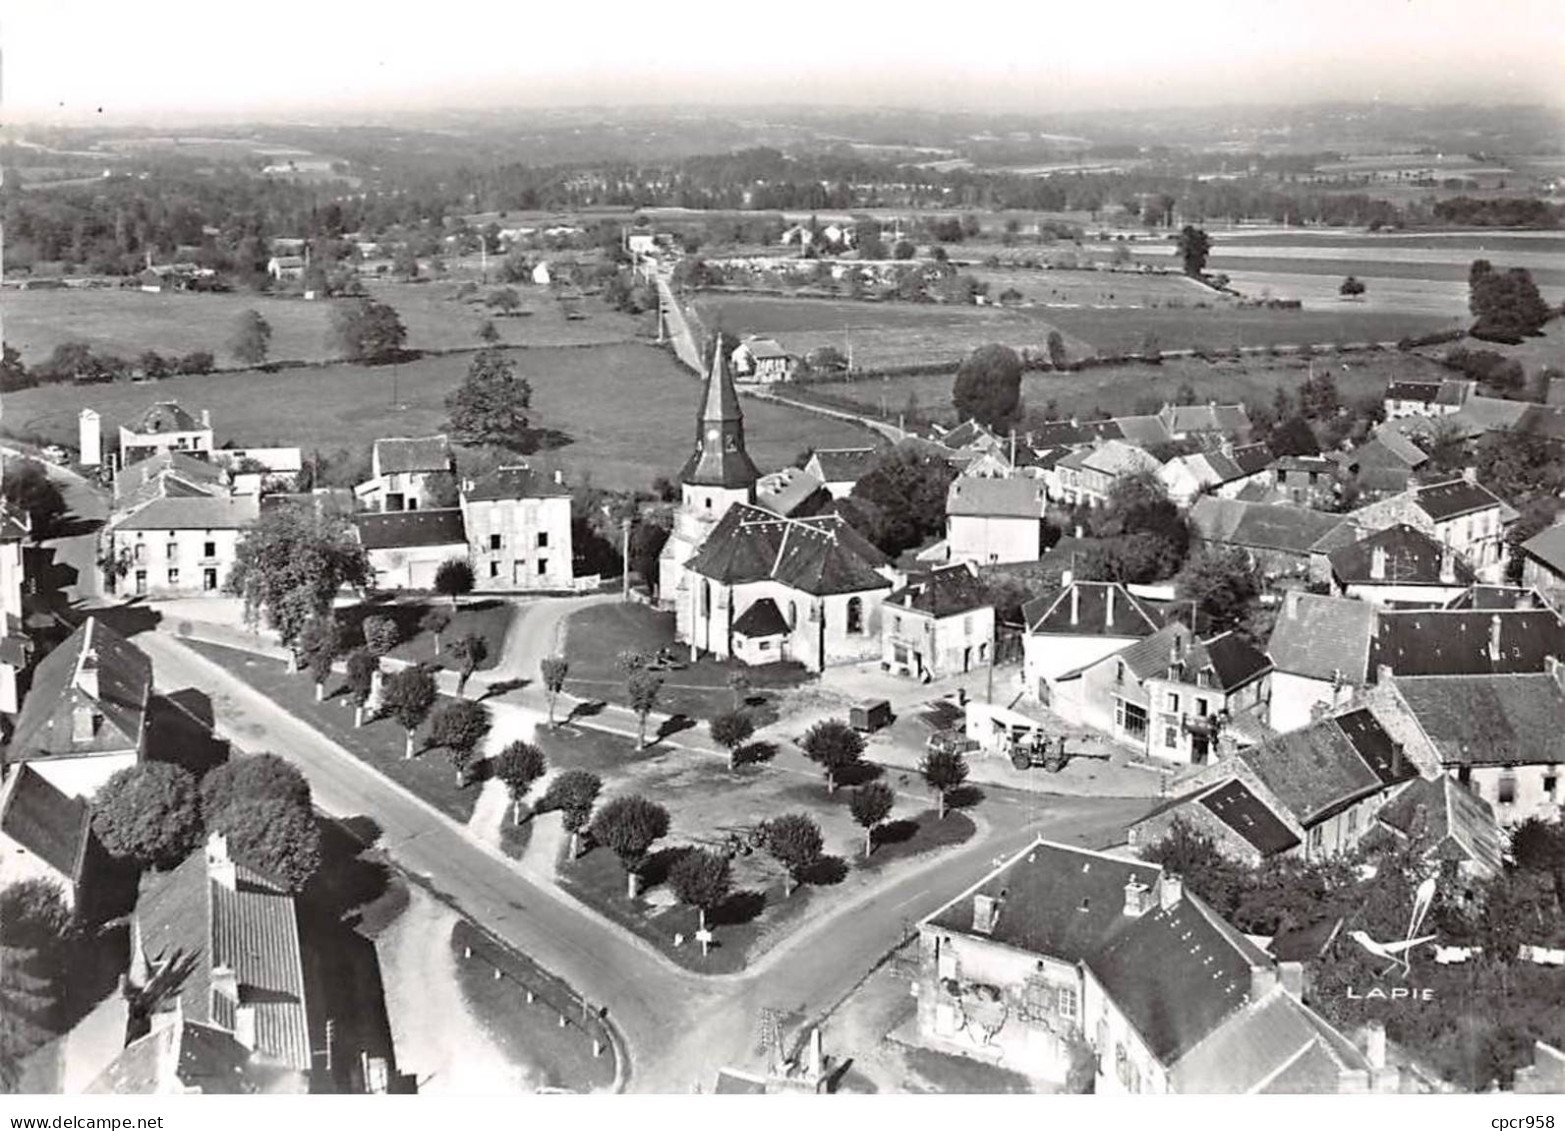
(87, 669)
(1553, 667)
(219, 864)
(1170, 891)
(1076, 604)
(1291, 603)
(1375, 1045)
(1494, 639)
(1469, 475)
(206, 418)
(1138, 898)
(1396, 759)
(986, 909)
(1079, 532)
(225, 983)
(1066, 577)
(559, 476)
(1447, 565)
(1263, 980)
(1108, 607)
(1291, 975)
(817, 1055)
(1383, 674)
(244, 1025)
(1377, 563)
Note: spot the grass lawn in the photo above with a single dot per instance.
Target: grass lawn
(598, 880)
(488, 617)
(959, 1075)
(597, 635)
(904, 837)
(529, 1032)
(628, 408)
(380, 743)
(515, 838)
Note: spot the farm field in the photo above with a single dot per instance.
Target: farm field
(1094, 288)
(127, 321)
(1130, 389)
(1125, 331)
(629, 409)
(1478, 242)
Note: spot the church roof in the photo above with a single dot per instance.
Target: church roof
(822, 555)
(719, 459)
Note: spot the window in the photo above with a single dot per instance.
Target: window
(855, 616)
(1315, 840)
(1506, 794)
(1353, 821)
(1119, 671)
(543, 539)
(140, 554)
(494, 569)
(707, 502)
(209, 549)
(1067, 1002)
(173, 575)
(1200, 707)
(172, 550)
(1173, 704)
(494, 541)
(793, 616)
(543, 566)
(1464, 776)
(1551, 782)
(706, 598)
(1203, 678)
(967, 625)
(1171, 737)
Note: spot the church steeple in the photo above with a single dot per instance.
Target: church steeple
(719, 459)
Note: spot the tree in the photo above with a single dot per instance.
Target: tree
(35, 932)
(252, 777)
(794, 841)
(1351, 287)
(900, 500)
(1223, 584)
(362, 666)
(642, 688)
(367, 330)
(628, 826)
(408, 696)
(702, 879)
(647, 540)
(573, 793)
(732, 730)
(943, 771)
(903, 249)
(291, 564)
(454, 578)
(1506, 305)
(276, 837)
(834, 746)
(153, 365)
(871, 804)
(507, 300)
(149, 813)
(988, 386)
(251, 339)
(470, 650)
(461, 727)
(1194, 857)
(435, 621)
(320, 643)
(487, 332)
(27, 487)
(1194, 246)
(491, 404)
(554, 670)
(196, 363)
(1057, 355)
(517, 767)
(381, 635)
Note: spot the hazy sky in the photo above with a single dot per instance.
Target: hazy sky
(64, 59)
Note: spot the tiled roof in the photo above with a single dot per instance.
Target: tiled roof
(1232, 803)
(763, 349)
(843, 465)
(44, 729)
(1454, 391)
(165, 416)
(946, 591)
(1021, 497)
(969, 433)
(1143, 430)
(1072, 433)
(1115, 457)
(50, 825)
(518, 482)
(1547, 421)
(1231, 659)
(399, 454)
(1548, 546)
(1441, 501)
(1152, 656)
(390, 530)
(1263, 526)
(1455, 642)
(787, 490)
(1457, 822)
(250, 928)
(1409, 557)
(1089, 608)
(1229, 419)
(1323, 637)
(1276, 1045)
(762, 618)
(1489, 720)
(193, 512)
(146, 479)
(820, 555)
(180, 1056)
(1320, 770)
(1390, 447)
(1251, 458)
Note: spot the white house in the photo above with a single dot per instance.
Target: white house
(761, 361)
(407, 548)
(995, 520)
(45, 834)
(840, 468)
(1460, 513)
(1072, 630)
(404, 472)
(938, 624)
(1320, 649)
(254, 470)
(1400, 567)
(282, 267)
(177, 545)
(1087, 477)
(518, 525)
(165, 427)
(15, 647)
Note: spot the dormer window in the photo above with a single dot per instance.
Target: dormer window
(1203, 678)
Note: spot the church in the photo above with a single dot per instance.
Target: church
(749, 582)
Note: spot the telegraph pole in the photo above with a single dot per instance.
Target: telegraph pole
(625, 560)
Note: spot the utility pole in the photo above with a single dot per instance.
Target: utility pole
(625, 560)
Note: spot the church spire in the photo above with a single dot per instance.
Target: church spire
(720, 459)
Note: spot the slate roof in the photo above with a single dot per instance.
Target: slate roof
(1143, 430)
(1101, 608)
(762, 618)
(722, 461)
(1021, 497)
(1318, 771)
(787, 490)
(1150, 657)
(1390, 446)
(1489, 720)
(1229, 419)
(179, 1056)
(1232, 803)
(1424, 392)
(820, 555)
(193, 512)
(1419, 642)
(165, 416)
(1073, 433)
(1547, 421)
(1442, 501)
(946, 591)
(1411, 558)
(1322, 637)
(1548, 547)
(393, 530)
(50, 825)
(764, 349)
(1263, 526)
(1493, 598)
(400, 454)
(250, 928)
(516, 482)
(1116, 457)
(149, 478)
(1231, 659)
(1457, 822)
(44, 727)
(1274, 1045)
(969, 433)
(843, 465)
